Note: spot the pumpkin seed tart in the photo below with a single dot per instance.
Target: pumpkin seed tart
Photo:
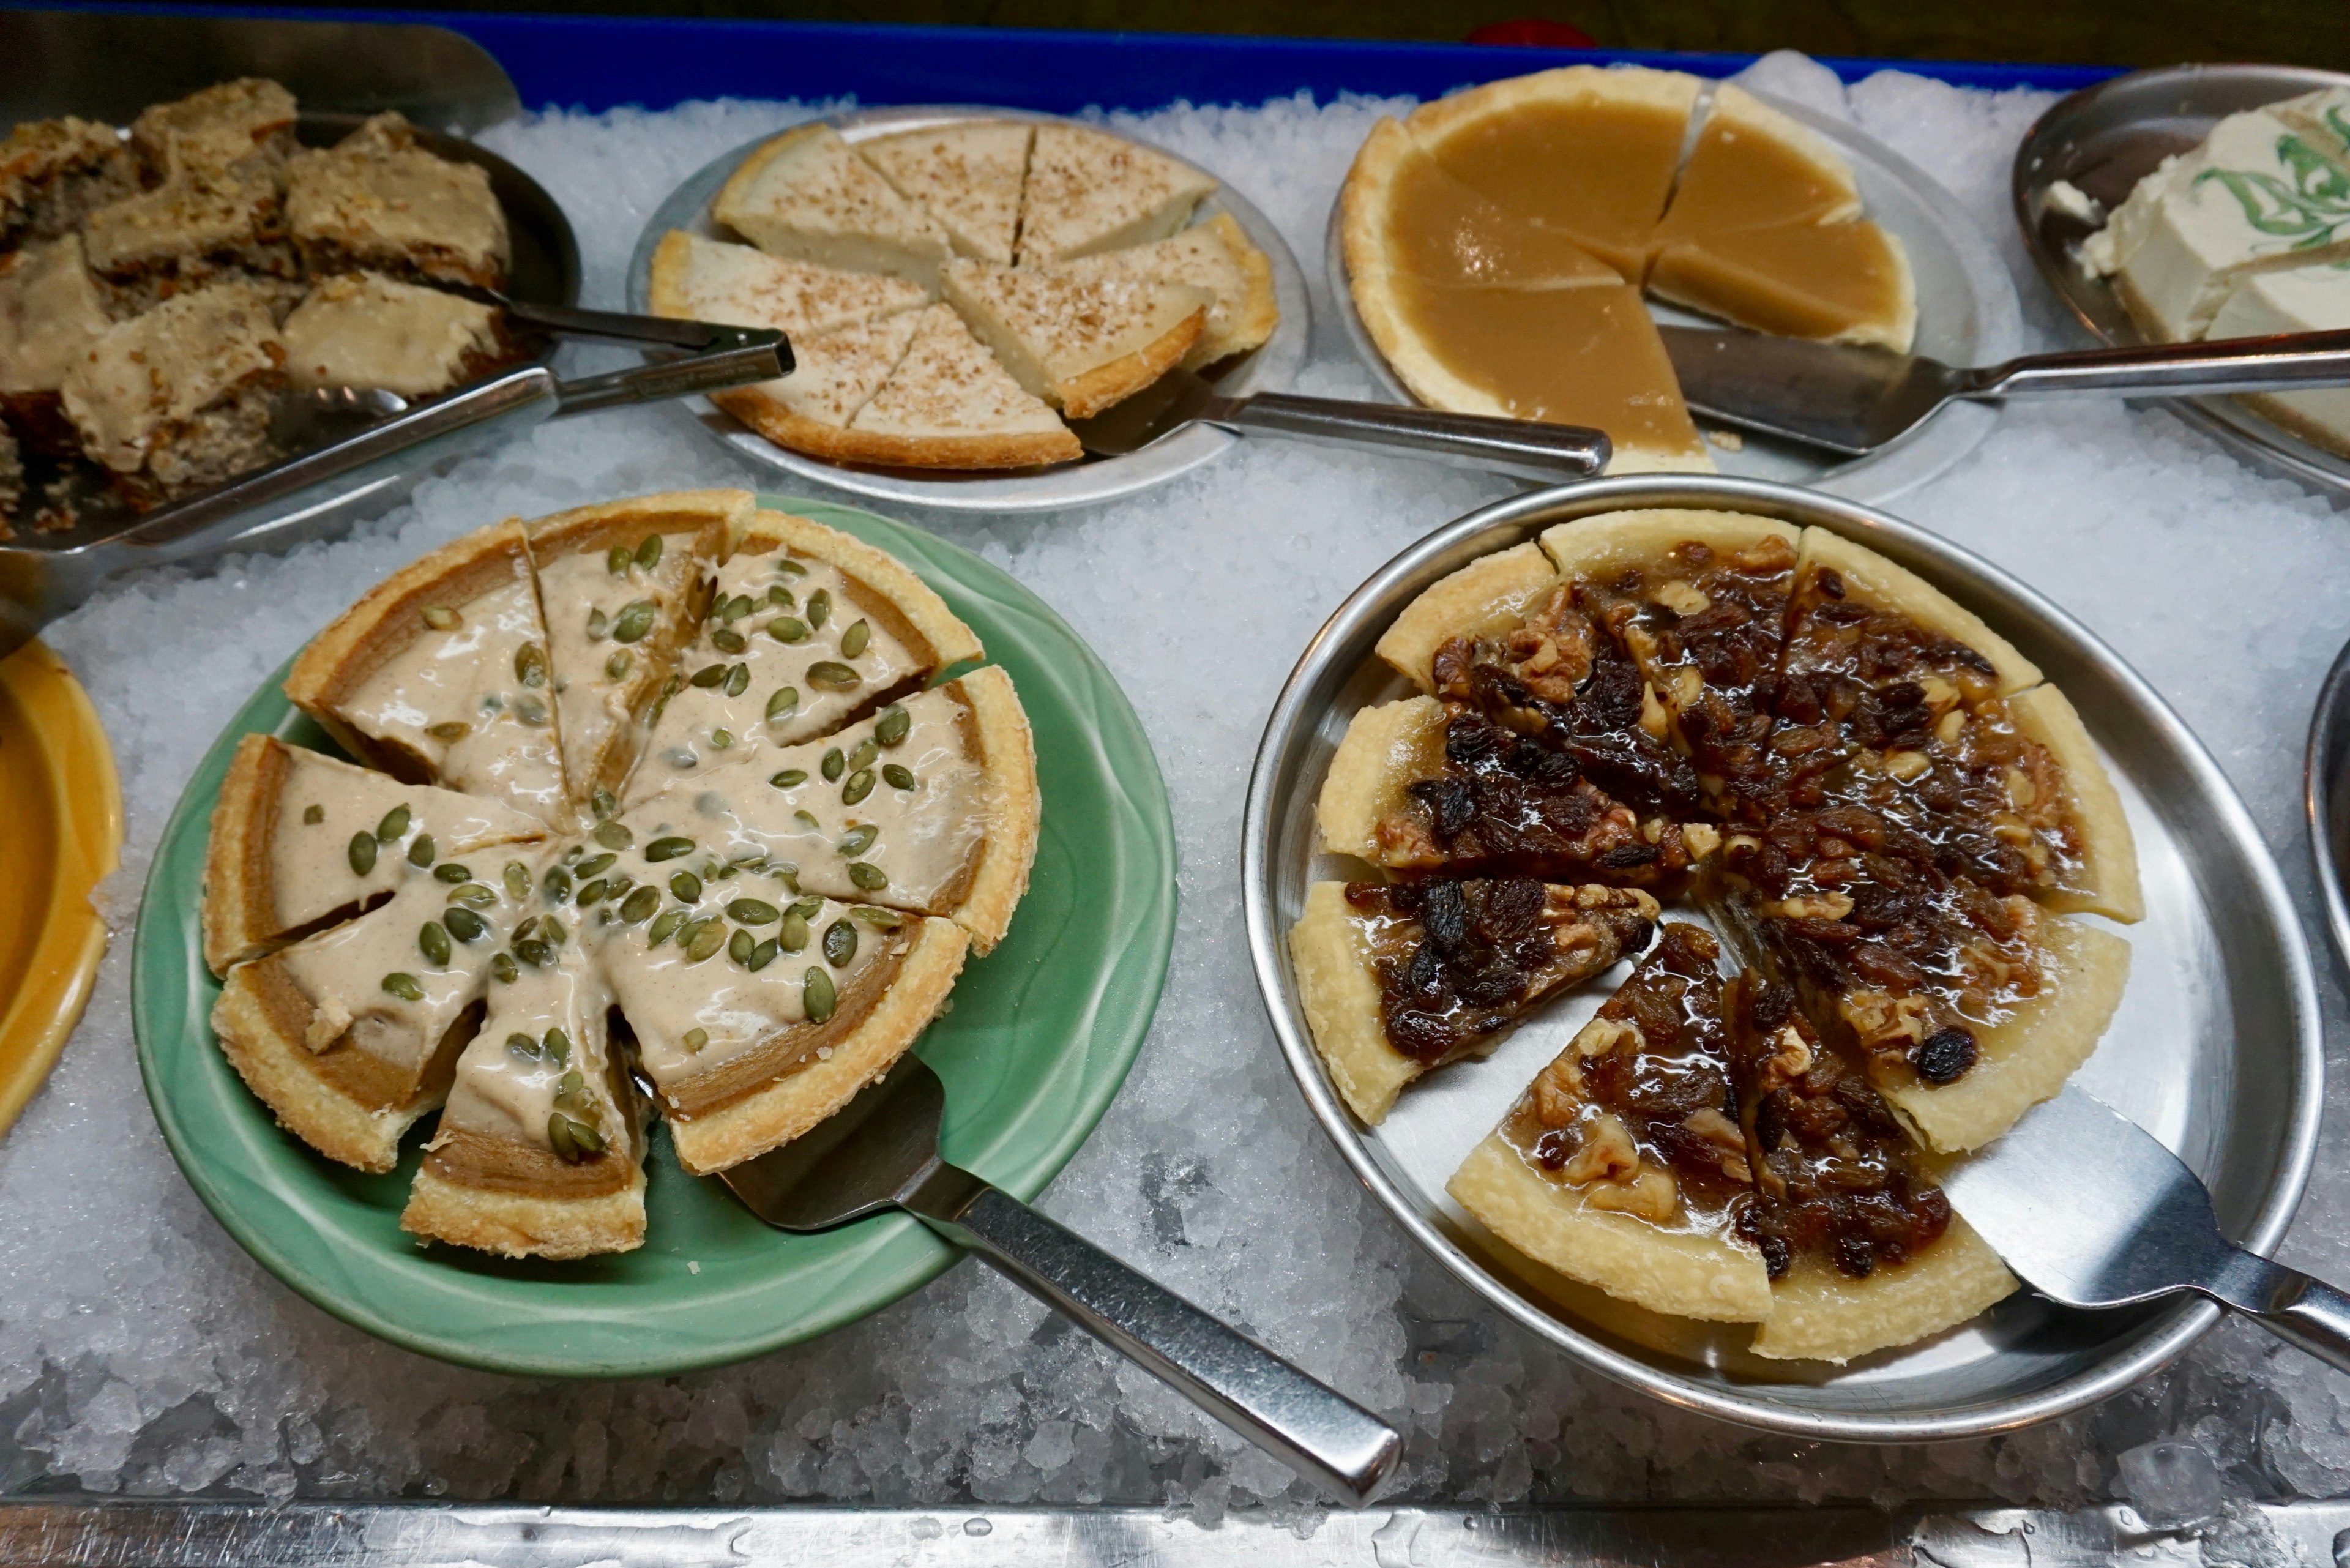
(1888, 815)
(761, 932)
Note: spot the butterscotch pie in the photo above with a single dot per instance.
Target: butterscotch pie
(470, 922)
(1885, 814)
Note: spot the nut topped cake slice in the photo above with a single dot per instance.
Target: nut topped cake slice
(623, 586)
(807, 629)
(1089, 190)
(55, 172)
(362, 330)
(968, 176)
(197, 226)
(808, 196)
(440, 675)
(1624, 1164)
(950, 403)
(221, 126)
(1399, 980)
(300, 840)
(1079, 341)
(372, 203)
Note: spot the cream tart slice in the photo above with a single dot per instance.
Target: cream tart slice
(1079, 340)
(622, 586)
(300, 840)
(967, 176)
(1397, 980)
(807, 195)
(698, 279)
(540, 1149)
(833, 376)
(1089, 190)
(950, 403)
(440, 675)
(809, 628)
(1215, 256)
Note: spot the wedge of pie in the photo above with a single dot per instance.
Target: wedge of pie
(968, 176)
(807, 629)
(440, 675)
(1841, 283)
(1079, 341)
(833, 376)
(808, 196)
(698, 279)
(1214, 256)
(1754, 166)
(950, 403)
(620, 585)
(1397, 980)
(1088, 191)
(301, 841)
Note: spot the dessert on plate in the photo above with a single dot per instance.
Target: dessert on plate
(470, 920)
(1887, 816)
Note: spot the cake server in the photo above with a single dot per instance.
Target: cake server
(1547, 452)
(2091, 1210)
(1852, 400)
(881, 1152)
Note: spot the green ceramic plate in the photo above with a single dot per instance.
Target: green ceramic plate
(1040, 1036)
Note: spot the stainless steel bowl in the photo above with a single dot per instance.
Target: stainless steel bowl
(2104, 139)
(1269, 367)
(2216, 1048)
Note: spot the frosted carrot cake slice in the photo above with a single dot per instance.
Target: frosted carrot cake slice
(1090, 191)
(50, 317)
(179, 398)
(363, 330)
(222, 125)
(56, 173)
(808, 196)
(967, 176)
(370, 203)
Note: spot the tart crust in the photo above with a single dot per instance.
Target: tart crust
(1383, 749)
(1489, 594)
(1818, 1315)
(1007, 760)
(1590, 545)
(2109, 880)
(527, 1224)
(1896, 588)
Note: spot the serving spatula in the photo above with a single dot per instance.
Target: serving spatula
(2089, 1210)
(881, 1153)
(1851, 401)
(1179, 397)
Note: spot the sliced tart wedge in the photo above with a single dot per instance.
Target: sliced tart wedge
(1623, 1165)
(950, 403)
(1839, 283)
(540, 1151)
(698, 279)
(835, 375)
(1080, 340)
(622, 587)
(968, 176)
(424, 677)
(300, 840)
(1215, 256)
(1755, 167)
(807, 195)
(1089, 190)
(1399, 980)
(809, 628)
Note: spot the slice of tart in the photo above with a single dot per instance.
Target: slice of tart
(1215, 256)
(540, 1151)
(950, 403)
(55, 172)
(440, 675)
(1089, 190)
(698, 279)
(621, 587)
(1401, 214)
(1399, 980)
(1623, 1165)
(301, 840)
(222, 125)
(809, 628)
(1755, 167)
(1839, 283)
(1861, 1247)
(1081, 341)
(363, 330)
(807, 195)
(967, 176)
(50, 317)
(832, 377)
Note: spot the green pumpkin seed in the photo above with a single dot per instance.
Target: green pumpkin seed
(603, 804)
(452, 872)
(440, 618)
(530, 664)
(668, 848)
(599, 623)
(649, 551)
(463, 924)
(686, 886)
(534, 952)
(586, 1138)
(780, 597)
(817, 997)
(709, 675)
(694, 1039)
(531, 712)
(738, 679)
(790, 567)
(593, 894)
(403, 986)
(792, 935)
(835, 760)
(550, 930)
(662, 929)
(867, 875)
(528, 928)
(839, 944)
(422, 850)
(362, 853)
(878, 918)
(806, 908)
(789, 777)
(522, 1046)
(450, 729)
(859, 785)
(858, 840)
(752, 912)
(518, 881)
(833, 675)
(719, 739)
(738, 607)
(783, 704)
(570, 1090)
(639, 904)
(787, 628)
(617, 559)
(313, 815)
(474, 896)
(898, 776)
(807, 819)
(433, 940)
(738, 946)
(862, 757)
(635, 619)
(614, 836)
(762, 955)
(559, 1046)
(558, 883)
(503, 966)
(558, 1137)
(706, 941)
(891, 728)
(819, 608)
(394, 824)
(853, 640)
(726, 639)
(596, 865)
(617, 667)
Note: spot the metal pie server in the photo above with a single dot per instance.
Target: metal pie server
(367, 440)
(1852, 400)
(1179, 398)
(881, 1152)
(2091, 1211)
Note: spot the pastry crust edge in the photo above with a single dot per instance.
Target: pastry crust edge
(1585, 544)
(951, 641)
(2109, 848)
(527, 1225)
(1817, 1314)
(1258, 310)
(1383, 749)
(1489, 594)
(1341, 1004)
(1014, 810)
(1899, 588)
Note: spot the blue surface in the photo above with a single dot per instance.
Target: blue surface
(600, 62)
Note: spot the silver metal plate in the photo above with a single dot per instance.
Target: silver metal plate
(1269, 367)
(2104, 139)
(1966, 315)
(2325, 795)
(2216, 1048)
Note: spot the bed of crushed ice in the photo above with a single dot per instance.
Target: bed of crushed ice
(142, 1352)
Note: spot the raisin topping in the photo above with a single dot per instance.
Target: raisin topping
(1944, 1056)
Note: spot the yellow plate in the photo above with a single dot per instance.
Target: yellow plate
(63, 803)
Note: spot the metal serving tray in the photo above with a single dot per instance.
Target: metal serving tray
(1966, 315)
(1269, 367)
(2216, 1048)
(2104, 139)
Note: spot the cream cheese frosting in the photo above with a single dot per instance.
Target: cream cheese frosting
(50, 315)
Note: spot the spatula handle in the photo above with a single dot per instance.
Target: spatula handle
(2218, 364)
(2306, 1313)
(1316, 1431)
(1545, 451)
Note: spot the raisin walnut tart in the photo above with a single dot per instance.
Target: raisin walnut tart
(663, 785)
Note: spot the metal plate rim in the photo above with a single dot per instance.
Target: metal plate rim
(1271, 367)
(1298, 709)
(2325, 769)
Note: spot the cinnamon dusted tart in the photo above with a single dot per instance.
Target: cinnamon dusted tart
(1882, 807)
(762, 933)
